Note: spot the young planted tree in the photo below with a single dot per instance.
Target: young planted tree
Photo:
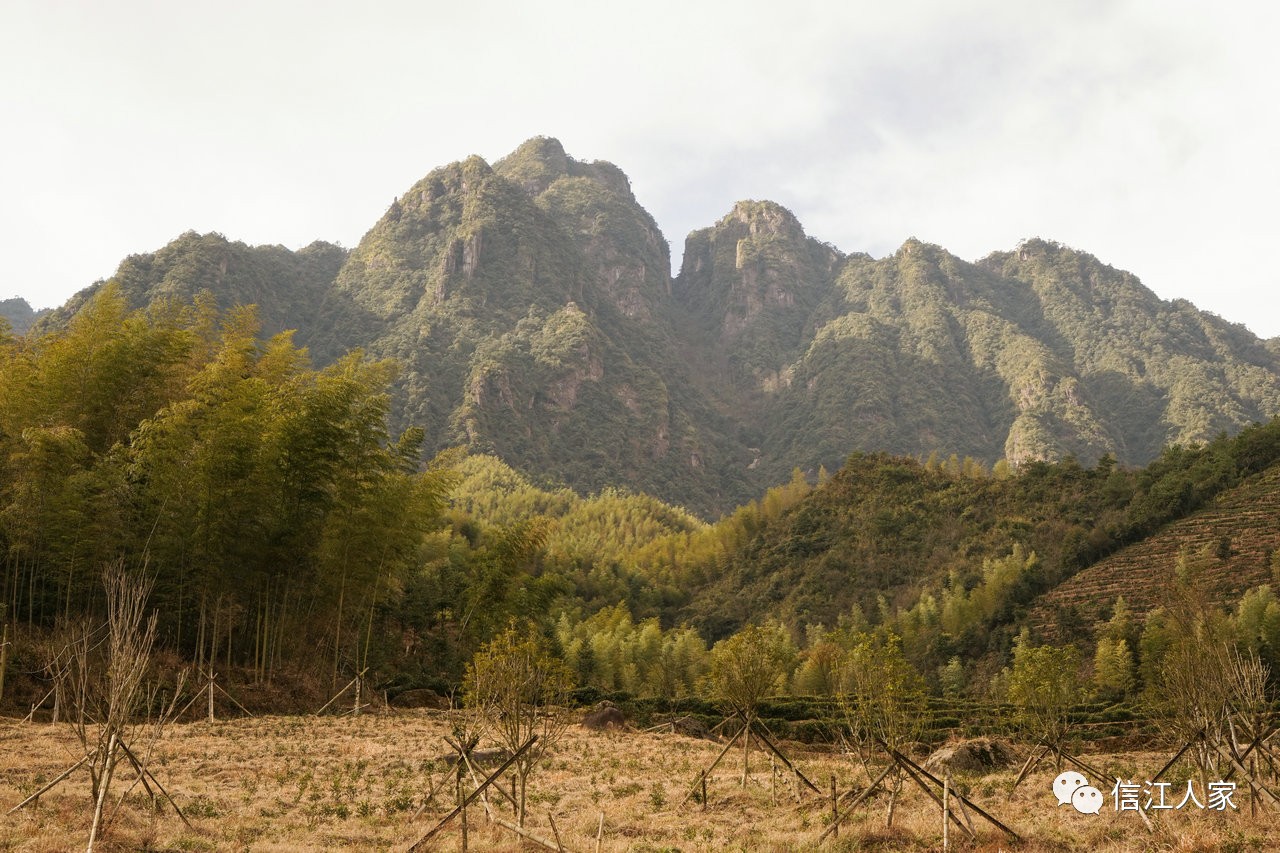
(747, 667)
(883, 698)
(102, 684)
(520, 689)
(1043, 685)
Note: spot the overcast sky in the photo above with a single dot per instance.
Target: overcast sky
(1143, 132)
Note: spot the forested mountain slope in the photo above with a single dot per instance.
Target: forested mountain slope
(18, 314)
(530, 306)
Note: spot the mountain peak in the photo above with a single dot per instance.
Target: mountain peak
(539, 162)
(763, 218)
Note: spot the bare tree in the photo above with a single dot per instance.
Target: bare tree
(101, 671)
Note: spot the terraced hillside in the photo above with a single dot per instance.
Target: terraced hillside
(1238, 532)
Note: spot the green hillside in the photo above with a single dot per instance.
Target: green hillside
(530, 308)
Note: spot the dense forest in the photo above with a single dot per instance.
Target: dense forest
(288, 530)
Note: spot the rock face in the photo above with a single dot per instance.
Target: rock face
(531, 306)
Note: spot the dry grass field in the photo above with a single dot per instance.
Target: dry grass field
(305, 783)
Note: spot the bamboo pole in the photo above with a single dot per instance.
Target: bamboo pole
(142, 771)
(835, 824)
(555, 832)
(755, 730)
(959, 796)
(835, 804)
(928, 792)
(727, 747)
(946, 813)
(421, 843)
(64, 774)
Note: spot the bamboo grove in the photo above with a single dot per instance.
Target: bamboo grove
(265, 498)
(284, 527)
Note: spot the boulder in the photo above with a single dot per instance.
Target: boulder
(972, 756)
(605, 716)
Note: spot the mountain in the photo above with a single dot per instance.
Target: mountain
(529, 304)
(531, 307)
(285, 285)
(18, 313)
(1040, 353)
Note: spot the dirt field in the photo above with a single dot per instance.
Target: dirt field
(302, 783)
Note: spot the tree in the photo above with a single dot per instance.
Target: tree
(520, 689)
(101, 675)
(750, 665)
(1113, 677)
(1043, 685)
(882, 693)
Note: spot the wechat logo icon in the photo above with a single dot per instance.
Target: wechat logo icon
(1071, 787)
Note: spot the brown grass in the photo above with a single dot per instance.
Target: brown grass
(302, 783)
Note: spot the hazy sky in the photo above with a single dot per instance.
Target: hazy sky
(1145, 133)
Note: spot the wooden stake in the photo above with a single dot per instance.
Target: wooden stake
(599, 832)
(835, 824)
(555, 832)
(946, 812)
(728, 746)
(835, 805)
(422, 842)
(212, 676)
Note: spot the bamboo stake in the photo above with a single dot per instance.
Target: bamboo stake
(462, 804)
(421, 843)
(555, 832)
(37, 705)
(936, 799)
(64, 774)
(727, 747)
(518, 830)
(959, 796)
(946, 802)
(755, 730)
(835, 824)
(339, 693)
(1033, 761)
(835, 805)
(144, 772)
(233, 700)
